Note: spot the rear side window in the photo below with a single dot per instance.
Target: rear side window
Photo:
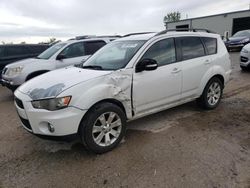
(17, 50)
(92, 46)
(211, 45)
(192, 47)
(162, 51)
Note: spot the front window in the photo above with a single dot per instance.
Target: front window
(114, 56)
(242, 34)
(51, 51)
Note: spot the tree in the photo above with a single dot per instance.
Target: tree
(52, 40)
(172, 17)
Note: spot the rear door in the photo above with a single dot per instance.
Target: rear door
(195, 64)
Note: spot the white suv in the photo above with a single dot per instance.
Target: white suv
(60, 55)
(127, 79)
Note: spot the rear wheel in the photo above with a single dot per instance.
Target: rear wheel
(103, 127)
(212, 94)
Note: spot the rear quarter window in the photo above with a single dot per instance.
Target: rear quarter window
(211, 45)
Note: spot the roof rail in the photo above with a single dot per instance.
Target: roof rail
(84, 37)
(141, 33)
(94, 36)
(108, 36)
(184, 29)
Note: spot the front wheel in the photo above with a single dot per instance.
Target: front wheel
(103, 127)
(212, 94)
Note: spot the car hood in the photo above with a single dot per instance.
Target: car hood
(24, 62)
(236, 39)
(51, 84)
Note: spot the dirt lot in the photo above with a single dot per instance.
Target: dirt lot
(180, 147)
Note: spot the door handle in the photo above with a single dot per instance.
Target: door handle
(176, 70)
(207, 62)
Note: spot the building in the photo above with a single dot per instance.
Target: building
(225, 24)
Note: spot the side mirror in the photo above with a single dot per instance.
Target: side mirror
(147, 65)
(60, 57)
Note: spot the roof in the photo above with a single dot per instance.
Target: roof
(170, 33)
(241, 11)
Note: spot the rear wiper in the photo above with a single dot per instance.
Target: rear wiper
(92, 67)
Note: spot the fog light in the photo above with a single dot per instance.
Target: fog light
(51, 128)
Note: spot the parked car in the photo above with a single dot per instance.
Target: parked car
(10, 53)
(59, 55)
(238, 40)
(245, 57)
(127, 79)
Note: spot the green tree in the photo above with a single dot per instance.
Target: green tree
(172, 17)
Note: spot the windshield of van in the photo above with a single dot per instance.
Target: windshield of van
(51, 51)
(113, 56)
(242, 34)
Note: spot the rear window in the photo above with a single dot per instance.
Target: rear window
(192, 47)
(17, 50)
(211, 45)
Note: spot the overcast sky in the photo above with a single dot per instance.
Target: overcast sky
(38, 20)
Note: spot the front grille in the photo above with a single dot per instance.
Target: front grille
(243, 59)
(26, 123)
(4, 70)
(19, 103)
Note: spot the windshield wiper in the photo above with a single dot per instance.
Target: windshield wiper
(96, 67)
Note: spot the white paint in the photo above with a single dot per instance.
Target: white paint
(152, 91)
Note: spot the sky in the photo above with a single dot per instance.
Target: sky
(35, 21)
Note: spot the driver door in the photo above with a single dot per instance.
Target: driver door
(156, 89)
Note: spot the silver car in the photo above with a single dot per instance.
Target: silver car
(71, 52)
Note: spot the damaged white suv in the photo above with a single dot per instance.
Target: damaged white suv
(127, 79)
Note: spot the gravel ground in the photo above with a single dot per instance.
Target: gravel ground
(181, 147)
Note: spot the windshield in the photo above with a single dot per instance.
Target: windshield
(51, 51)
(242, 34)
(114, 56)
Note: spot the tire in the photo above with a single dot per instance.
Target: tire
(210, 98)
(244, 68)
(97, 133)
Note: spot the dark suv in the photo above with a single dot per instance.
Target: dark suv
(13, 52)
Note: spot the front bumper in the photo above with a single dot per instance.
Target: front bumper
(10, 85)
(65, 121)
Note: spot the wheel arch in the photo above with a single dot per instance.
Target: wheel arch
(36, 73)
(107, 100)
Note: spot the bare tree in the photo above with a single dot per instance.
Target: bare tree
(172, 17)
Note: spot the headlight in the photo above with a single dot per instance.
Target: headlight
(245, 40)
(244, 50)
(52, 104)
(14, 71)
